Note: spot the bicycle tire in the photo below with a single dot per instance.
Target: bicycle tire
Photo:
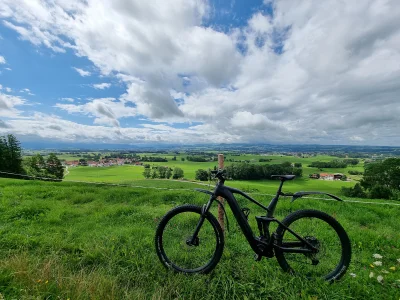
(286, 260)
(192, 213)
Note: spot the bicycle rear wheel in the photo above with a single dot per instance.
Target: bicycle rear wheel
(322, 231)
(176, 229)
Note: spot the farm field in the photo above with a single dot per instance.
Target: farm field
(129, 173)
(83, 241)
(133, 175)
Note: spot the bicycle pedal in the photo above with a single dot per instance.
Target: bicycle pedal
(257, 257)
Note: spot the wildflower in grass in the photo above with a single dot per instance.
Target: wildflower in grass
(392, 268)
(384, 272)
(353, 275)
(377, 263)
(379, 278)
(39, 281)
(398, 260)
(371, 265)
(378, 256)
(371, 274)
(46, 282)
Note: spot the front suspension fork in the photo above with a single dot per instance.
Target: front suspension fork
(204, 211)
(206, 207)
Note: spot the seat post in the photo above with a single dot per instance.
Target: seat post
(274, 202)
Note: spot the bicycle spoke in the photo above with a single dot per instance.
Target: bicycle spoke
(176, 234)
(322, 236)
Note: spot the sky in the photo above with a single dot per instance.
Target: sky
(197, 71)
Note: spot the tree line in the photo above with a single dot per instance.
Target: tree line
(381, 180)
(162, 172)
(153, 159)
(245, 171)
(50, 167)
(198, 158)
(10, 155)
(11, 161)
(336, 163)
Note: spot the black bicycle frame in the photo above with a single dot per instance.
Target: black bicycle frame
(227, 192)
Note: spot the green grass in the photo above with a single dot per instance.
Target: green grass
(133, 175)
(112, 174)
(82, 241)
(190, 168)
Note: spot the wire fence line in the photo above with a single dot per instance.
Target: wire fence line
(180, 189)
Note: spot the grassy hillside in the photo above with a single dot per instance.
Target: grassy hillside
(82, 241)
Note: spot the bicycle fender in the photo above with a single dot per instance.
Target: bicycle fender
(204, 191)
(301, 194)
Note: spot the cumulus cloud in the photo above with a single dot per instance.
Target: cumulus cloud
(105, 110)
(156, 103)
(2, 60)
(9, 104)
(45, 126)
(82, 72)
(313, 71)
(101, 86)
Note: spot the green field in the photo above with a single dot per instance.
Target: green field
(84, 241)
(129, 174)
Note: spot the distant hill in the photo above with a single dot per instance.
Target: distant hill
(249, 148)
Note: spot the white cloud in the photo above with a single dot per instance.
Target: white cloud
(2, 60)
(27, 91)
(156, 103)
(8, 90)
(82, 72)
(260, 23)
(43, 126)
(68, 99)
(1, 87)
(8, 104)
(8, 69)
(314, 71)
(252, 121)
(105, 110)
(3, 125)
(101, 86)
(356, 138)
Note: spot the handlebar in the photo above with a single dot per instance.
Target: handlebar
(218, 174)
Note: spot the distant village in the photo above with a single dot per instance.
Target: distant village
(103, 162)
(327, 176)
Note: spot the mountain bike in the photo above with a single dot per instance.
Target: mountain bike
(307, 242)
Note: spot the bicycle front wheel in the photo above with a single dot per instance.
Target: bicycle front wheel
(323, 232)
(172, 240)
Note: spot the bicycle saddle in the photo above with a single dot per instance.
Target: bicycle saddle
(284, 177)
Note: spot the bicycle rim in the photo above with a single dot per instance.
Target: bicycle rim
(322, 235)
(175, 249)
